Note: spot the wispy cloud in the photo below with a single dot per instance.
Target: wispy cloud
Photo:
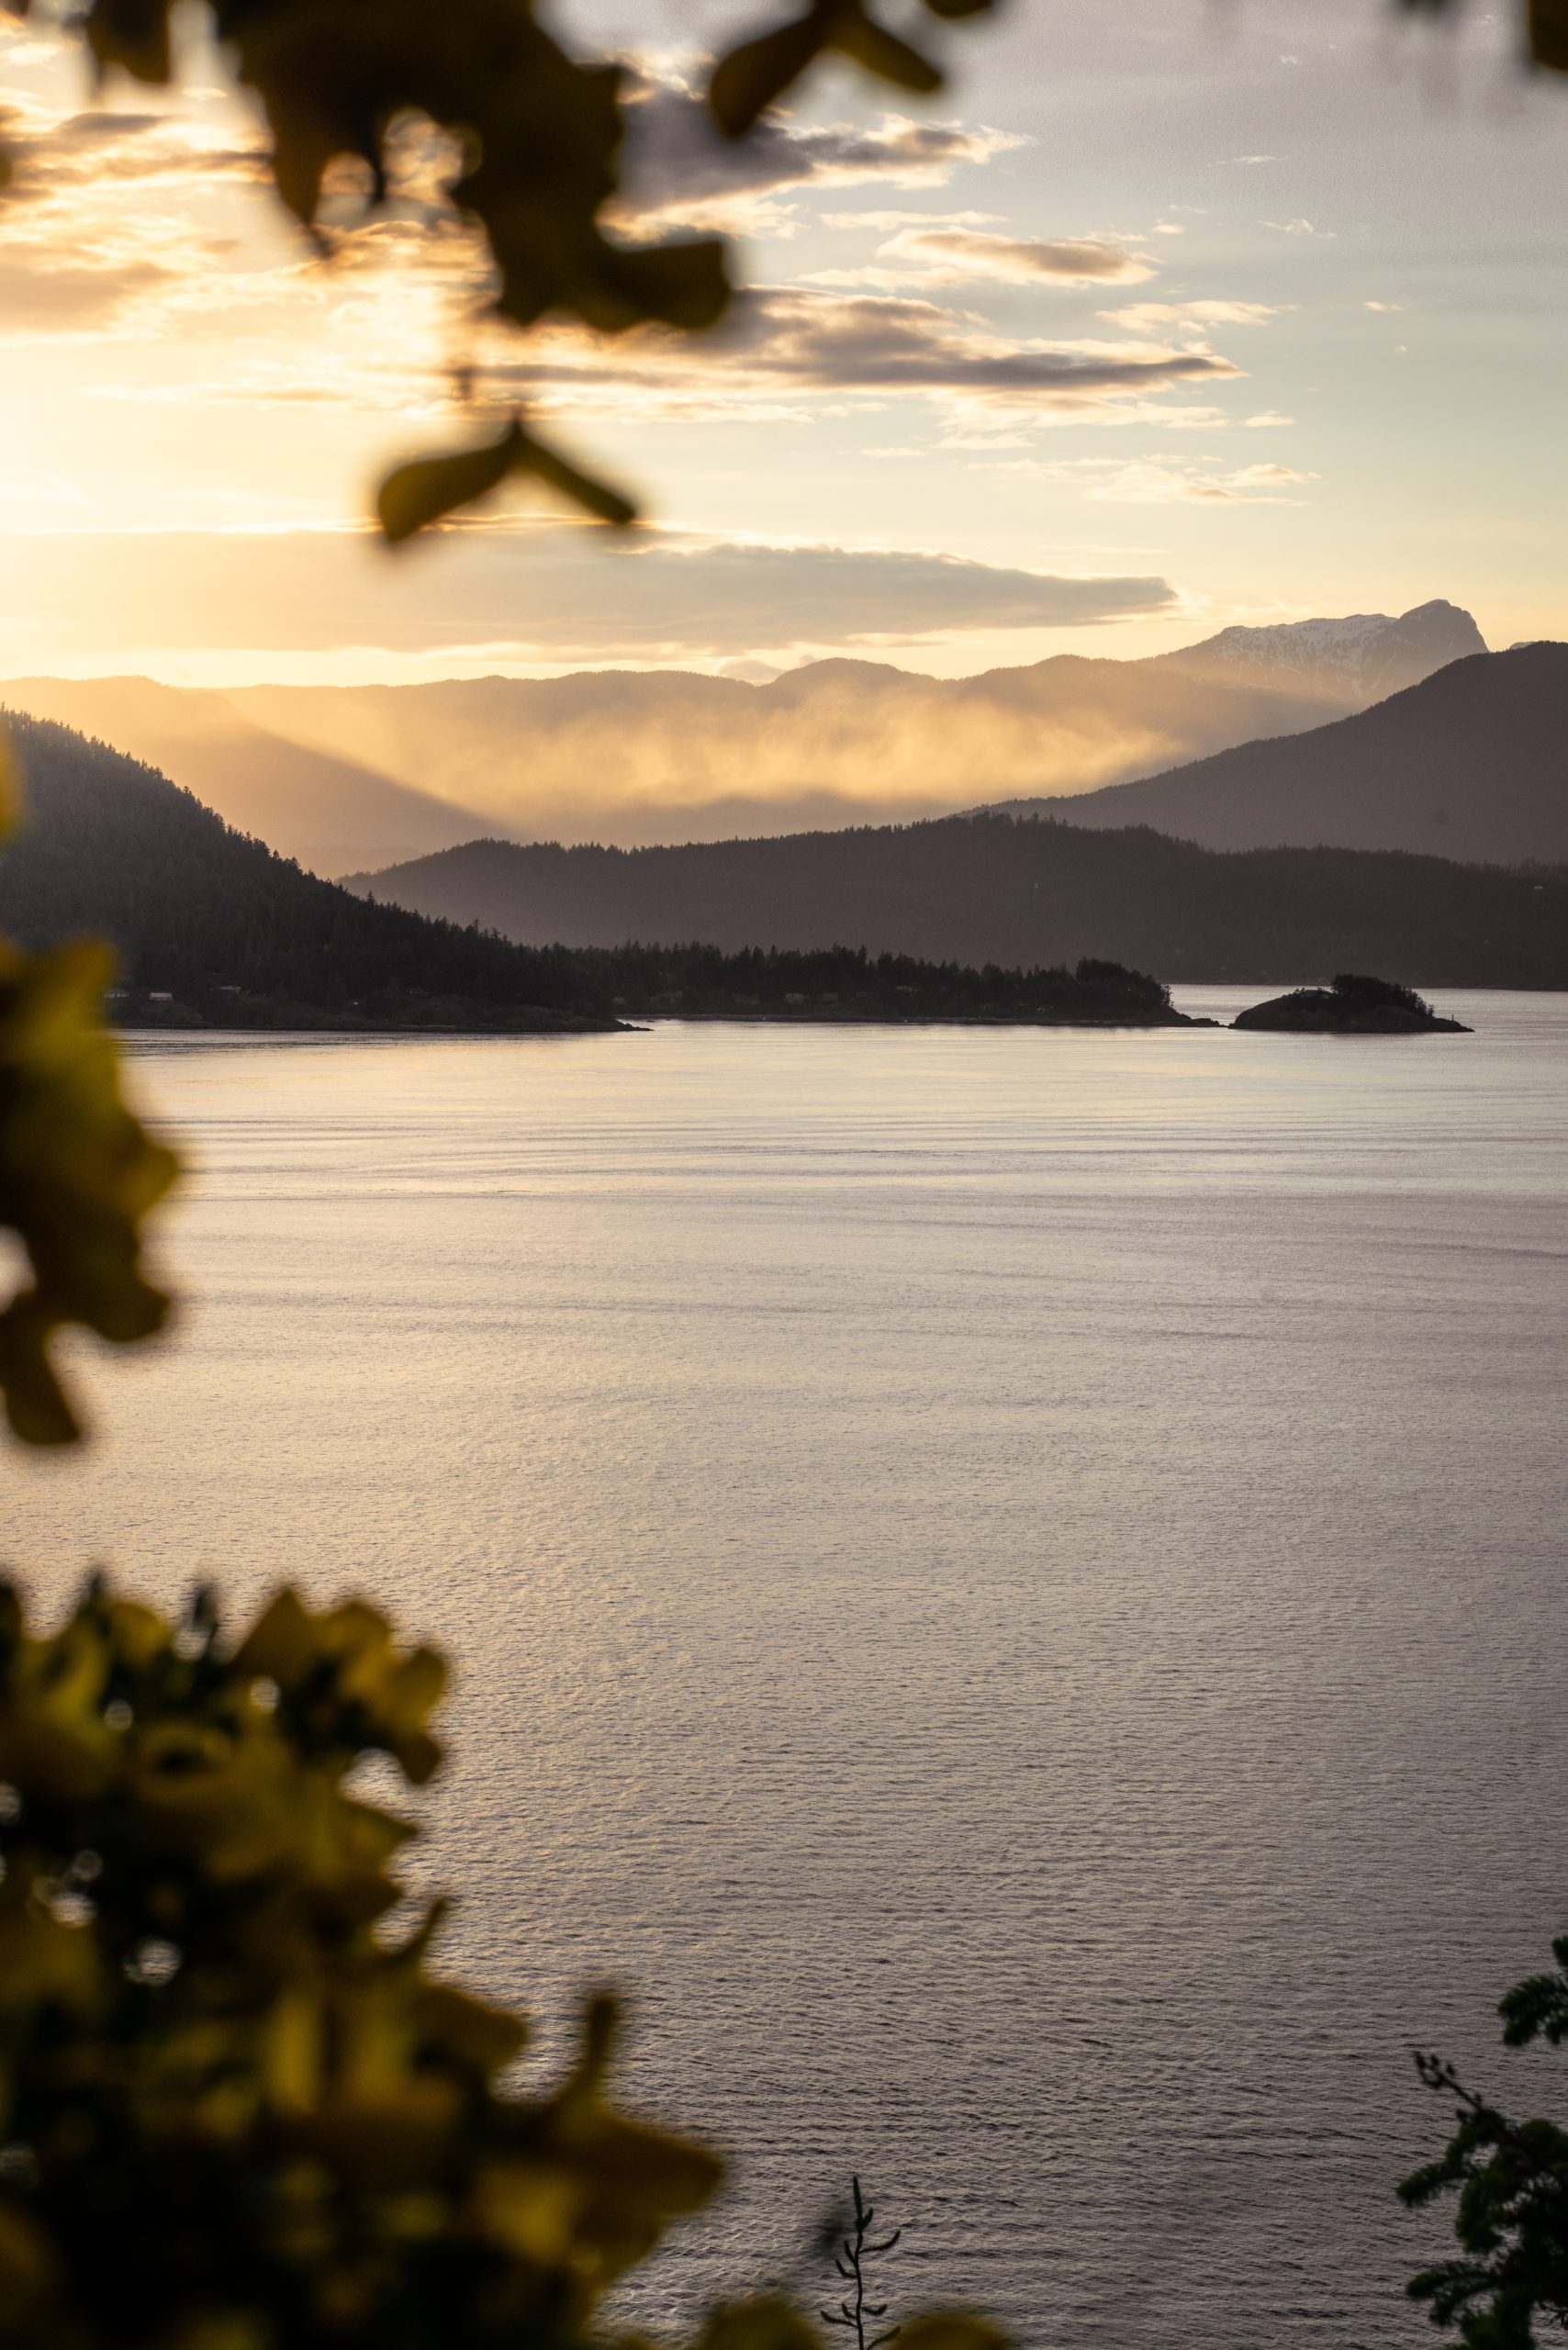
(566, 594)
(958, 256)
(1148, 318)
(1170, 480)
(76, 258)
(883, 222)
(681, 173)
(795, 344)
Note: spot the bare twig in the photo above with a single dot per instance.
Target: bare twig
(856, 2248)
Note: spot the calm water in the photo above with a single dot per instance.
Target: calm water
(1008, 1583)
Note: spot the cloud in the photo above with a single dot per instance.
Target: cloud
(1166, 480)
(100, 149)
(788, 346)
(529, 592)
(953, 256)
(929, 252)
(680, 171)
(883, 223)
(42, 296)
(111, 233)
(1147, 317)
(76, 258)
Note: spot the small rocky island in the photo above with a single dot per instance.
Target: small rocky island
(1354, 1006)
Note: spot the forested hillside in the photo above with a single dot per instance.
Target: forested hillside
(233, 932)
(212, 926)
(991, 889)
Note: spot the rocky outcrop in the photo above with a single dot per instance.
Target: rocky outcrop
(1354, 1006)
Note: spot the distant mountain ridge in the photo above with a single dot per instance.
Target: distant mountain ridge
(353, 776)
(1471, 763)
(983, 890)
(1365, 657)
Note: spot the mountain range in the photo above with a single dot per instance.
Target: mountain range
(1471, 763)
(356, 777)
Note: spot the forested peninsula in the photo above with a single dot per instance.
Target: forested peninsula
(214, 929)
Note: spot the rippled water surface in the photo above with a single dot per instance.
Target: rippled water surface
(1009, 1583)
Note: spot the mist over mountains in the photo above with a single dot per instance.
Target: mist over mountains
(327, 811)
(361, 777)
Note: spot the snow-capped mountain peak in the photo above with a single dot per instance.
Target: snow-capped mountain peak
(1361, 658)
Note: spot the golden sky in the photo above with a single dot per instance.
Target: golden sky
(1147, 327)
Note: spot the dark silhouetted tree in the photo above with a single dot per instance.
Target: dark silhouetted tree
(1510, 2274)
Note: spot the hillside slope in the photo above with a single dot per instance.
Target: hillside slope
(982, 890)
(231, 930)
(1471, 763)
(328, 811)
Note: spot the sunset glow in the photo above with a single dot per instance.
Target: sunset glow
(1061, 365)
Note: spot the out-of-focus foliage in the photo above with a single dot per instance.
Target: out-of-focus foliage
(1511, 2180)
(241, 2112)
(749, 81)
(77, 1172)
(236, 2113)
(420, 493)
(1542, 23)
(540, 130)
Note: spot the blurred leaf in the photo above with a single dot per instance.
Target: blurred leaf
(468, 2030)
(77, 1176)
(26, 2268)
(951, 2330)
(755, 76)
(421, 493)
(884, 53)
(345, 1687)
(767, 2323)
(133, 34)
(1549, 33)
(749, 81)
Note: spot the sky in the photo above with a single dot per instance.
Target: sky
(1165, 314)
